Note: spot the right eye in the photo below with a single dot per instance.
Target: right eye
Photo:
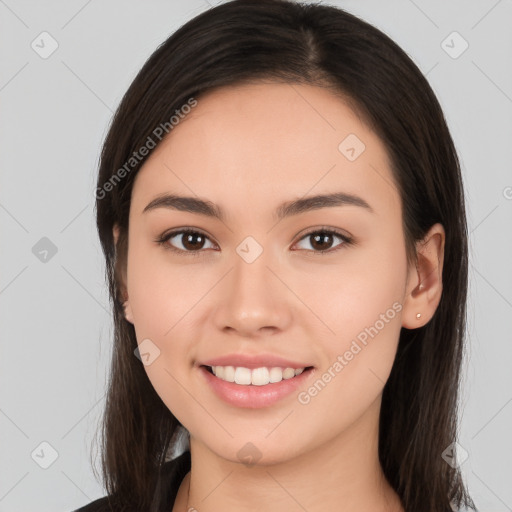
(191, 241)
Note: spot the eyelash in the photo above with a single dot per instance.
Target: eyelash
(163, 239)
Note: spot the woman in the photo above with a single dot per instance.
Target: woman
(282, 214)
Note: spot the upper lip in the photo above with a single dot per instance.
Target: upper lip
(253, 361)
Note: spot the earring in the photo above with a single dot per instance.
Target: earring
(418, 315)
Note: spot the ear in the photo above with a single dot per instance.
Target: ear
(121, 276)
(424, 282)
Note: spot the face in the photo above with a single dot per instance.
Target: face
(322, 286)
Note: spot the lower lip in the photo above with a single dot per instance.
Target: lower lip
(254, 397)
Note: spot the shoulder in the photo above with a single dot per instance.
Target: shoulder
(99, 505)
(172, 473)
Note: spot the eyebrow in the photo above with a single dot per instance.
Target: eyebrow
(287, 209)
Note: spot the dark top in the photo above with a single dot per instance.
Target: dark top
(172, 474)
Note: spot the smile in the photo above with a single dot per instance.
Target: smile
(256, 377)
(263, 392)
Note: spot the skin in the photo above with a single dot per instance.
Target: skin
(248, 149)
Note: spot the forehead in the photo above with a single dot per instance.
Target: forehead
(252, 145)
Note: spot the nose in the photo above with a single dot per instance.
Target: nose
(253, 300)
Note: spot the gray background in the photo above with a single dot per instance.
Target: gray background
(55, 321)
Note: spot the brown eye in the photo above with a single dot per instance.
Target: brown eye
(185, 241)
(321, 241)
(192, 241)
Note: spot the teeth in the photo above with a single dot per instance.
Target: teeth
(259, 376)
(256, 377)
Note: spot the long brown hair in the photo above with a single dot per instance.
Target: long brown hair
(286, 41)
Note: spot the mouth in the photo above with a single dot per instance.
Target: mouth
(255, 388)
(263, 376)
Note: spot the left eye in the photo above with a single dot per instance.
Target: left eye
(324, 237)
(193, 241)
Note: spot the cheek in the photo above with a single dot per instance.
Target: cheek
(363, 289)
(162, 298)
(162, 293)
(361, 303)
